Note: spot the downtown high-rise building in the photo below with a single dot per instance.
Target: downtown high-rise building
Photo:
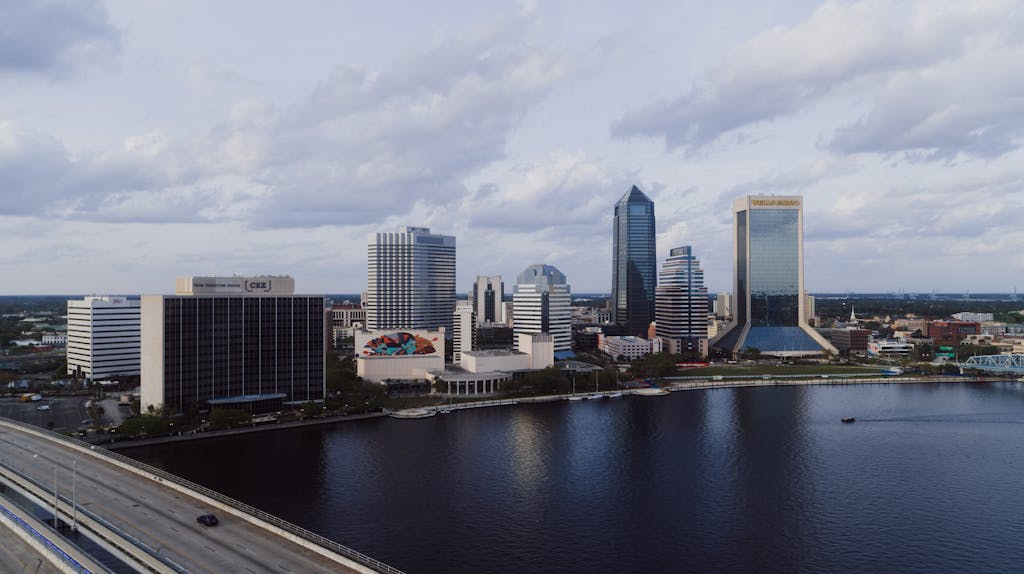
(768, 284)
(486, 297)
(681, 303)
(541, 304)
(634, 263)
(247, 343)
(103, 337)
(410, 280)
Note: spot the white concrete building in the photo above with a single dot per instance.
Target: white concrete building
(539, 346)
(464, 327)
(627, 347)
(400, 354)
(495, 360)
(55, 339)
(103, 337)
(410, 280)
(973, 317)
(541, 304)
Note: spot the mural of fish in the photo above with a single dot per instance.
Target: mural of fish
(400, 343)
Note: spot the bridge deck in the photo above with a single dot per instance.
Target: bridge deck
(160, 516)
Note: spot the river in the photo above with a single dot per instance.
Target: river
(929, 479)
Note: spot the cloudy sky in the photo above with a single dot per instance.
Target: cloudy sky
(140, 141)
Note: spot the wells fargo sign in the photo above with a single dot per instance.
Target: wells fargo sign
(775, 202)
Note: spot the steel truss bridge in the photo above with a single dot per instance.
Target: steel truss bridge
(1011, 364)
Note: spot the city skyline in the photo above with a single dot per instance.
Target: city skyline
(132, 151)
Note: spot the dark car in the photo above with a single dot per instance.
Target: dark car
(207, 520)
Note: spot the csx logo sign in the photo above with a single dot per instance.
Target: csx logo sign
(258, 286)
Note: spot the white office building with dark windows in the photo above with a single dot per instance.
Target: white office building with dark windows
(103, 337)
(541, 304)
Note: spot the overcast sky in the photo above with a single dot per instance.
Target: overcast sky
(140, 141)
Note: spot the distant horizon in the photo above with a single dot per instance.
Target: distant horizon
(944, 295)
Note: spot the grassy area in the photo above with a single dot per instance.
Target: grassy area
(754, 370)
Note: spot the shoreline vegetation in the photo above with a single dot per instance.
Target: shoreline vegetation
(438, 405)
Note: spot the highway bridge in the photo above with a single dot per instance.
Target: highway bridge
(1004, 364)
(127, 516)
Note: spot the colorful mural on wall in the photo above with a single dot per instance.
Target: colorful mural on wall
(399, 344)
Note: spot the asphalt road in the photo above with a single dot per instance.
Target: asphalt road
(162, 518)
(66, 413)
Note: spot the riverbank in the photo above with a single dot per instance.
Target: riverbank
(266, 427)
(430, 410)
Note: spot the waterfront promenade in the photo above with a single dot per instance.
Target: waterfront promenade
(152, 514)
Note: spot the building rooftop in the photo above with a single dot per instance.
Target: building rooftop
(493, 353)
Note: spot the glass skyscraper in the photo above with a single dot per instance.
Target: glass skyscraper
(769, 280)
(634, 263)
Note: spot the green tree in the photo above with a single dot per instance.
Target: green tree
(145, 425)
(312, 410)
(751, 353)
(228, 418)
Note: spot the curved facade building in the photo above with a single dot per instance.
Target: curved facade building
(681, 306)
(634, 263)
(541, 304)
(769, 280)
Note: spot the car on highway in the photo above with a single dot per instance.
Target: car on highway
(207, 520)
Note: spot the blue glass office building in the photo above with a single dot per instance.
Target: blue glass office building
(769, 280)
(634, 263)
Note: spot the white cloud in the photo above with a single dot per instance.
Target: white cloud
(840, 47)
(54, 37)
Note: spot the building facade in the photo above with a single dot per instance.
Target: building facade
(410, 280)
(487, 299)
(634, 262)
(236, 348)
(103, 337)
(768, 280)
(627, 347)
(681, 303)
(399, 355)
(541, 304)
(464, 327)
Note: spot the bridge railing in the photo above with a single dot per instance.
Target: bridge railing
(293, 529)
(66, 559)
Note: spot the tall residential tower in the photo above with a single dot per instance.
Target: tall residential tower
(769, 280)
(634, 264)
(411, 280)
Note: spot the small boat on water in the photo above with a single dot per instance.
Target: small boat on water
(614, 395)
(576, 398)
(849, 420)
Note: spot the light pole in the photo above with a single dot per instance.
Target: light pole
(74, 491)
(55, 496)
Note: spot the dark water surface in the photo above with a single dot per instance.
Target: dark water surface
(929, 479)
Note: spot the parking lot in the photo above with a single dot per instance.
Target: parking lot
(65, 412)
